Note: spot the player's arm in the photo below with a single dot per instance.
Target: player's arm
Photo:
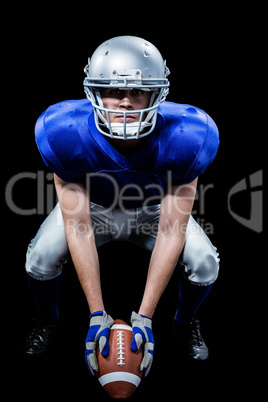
(176, 208)
(75, 207)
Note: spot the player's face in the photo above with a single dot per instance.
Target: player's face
(118, 99)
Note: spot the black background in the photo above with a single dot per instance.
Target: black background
(213, 58)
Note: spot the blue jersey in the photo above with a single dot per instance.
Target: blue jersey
(180, 148)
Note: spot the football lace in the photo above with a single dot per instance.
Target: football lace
(120, 348)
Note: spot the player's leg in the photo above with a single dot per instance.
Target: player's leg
(46, 255)
(200, 265)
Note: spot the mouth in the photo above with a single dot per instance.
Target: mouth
(130, 118)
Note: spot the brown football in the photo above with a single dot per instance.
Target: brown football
(119, 373)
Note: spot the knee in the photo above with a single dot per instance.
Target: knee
(204, 270)
(43, 260)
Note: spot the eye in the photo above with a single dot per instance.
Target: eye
(137, 91)
(115, 91)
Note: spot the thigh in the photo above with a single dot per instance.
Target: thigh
(48, 251)
(199, 257)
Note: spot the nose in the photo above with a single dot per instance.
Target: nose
(125, 102)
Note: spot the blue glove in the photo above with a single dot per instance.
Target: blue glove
(143, 334)
(98, 333)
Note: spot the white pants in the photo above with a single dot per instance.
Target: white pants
(48, 251)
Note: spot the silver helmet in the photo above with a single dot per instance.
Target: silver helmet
(126, 62)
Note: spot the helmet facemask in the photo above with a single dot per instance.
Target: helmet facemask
(124, 130)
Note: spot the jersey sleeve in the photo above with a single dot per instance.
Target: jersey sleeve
(207, 152)
(188, 145)
(51, 139)
(200, 148)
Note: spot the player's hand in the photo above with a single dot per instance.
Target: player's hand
(98, 333)
(143, 334)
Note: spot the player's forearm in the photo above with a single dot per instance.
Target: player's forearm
(162, 264)
(174, 215)
(74, 202)
(86, 262)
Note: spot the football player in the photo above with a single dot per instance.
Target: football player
(126, 164)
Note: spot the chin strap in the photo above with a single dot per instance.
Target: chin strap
(130, 130)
